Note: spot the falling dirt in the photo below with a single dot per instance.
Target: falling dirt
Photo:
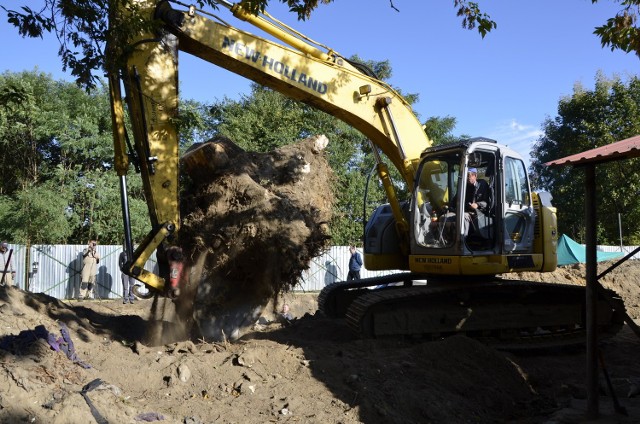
(252, 222)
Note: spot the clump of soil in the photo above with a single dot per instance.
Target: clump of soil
(252, 222)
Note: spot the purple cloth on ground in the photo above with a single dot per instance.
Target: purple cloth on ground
(17, 344)
(54, 342)
(68, 348)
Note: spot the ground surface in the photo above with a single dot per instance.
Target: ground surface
(312, 371)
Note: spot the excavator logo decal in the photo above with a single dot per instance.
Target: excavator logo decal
(243, 51)
(434, 260)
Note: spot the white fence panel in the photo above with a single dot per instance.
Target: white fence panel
(59, 269)
(625, 250)
(330, 267)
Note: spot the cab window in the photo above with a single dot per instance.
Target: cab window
(516, 188)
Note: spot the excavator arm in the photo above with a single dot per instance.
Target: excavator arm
(302, 70)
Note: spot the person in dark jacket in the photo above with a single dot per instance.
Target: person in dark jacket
(355, 264)
(127, 282)
(477, 199)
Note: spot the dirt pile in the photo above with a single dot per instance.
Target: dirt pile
(310, 370)
(623, 279)
(252, 222)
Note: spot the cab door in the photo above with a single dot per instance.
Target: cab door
(518, 213)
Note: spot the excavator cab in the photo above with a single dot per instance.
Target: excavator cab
(446, 235)
(446, 227)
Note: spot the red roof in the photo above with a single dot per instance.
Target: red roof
(624, 149)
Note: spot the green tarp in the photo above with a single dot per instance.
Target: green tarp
(570, 252)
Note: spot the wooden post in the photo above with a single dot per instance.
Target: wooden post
(591, 293)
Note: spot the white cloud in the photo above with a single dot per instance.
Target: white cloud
(518, 136)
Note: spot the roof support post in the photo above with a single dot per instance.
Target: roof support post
(591, 292)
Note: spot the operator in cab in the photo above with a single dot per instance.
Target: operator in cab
(477, 199)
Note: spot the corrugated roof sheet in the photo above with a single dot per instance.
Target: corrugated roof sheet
(624, 149)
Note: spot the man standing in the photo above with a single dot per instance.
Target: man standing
(355, 263)
(90, 260)
(7, 273)
(127, 281)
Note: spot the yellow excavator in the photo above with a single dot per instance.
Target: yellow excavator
(447, 246)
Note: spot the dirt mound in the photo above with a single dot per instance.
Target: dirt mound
(624, 280)
(309, 369)
(252, 222)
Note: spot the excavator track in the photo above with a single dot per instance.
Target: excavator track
(335, 298)
(506, 314)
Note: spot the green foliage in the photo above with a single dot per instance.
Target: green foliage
(191, 124)
(589, 119)
(36, 215)
(57, 160)
(473, 18)
(621, 31)
(262, 120)
(440, 130)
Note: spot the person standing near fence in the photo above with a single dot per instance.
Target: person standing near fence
(127, 281)
(355, 264)
(7, 273)
(90, 261)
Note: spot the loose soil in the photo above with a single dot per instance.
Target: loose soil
(310, 369)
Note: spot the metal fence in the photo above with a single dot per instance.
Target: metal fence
(330, 267)
(56, 269)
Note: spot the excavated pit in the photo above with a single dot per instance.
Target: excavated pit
(252, 222)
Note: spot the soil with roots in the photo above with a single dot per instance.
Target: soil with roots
(252, 223)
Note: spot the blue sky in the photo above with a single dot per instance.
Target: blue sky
(502, 86)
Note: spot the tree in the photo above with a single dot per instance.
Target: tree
(57, 160)
(440, 130)
(36, 215)
(82, 27)
(589, 119)
(621, 31)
